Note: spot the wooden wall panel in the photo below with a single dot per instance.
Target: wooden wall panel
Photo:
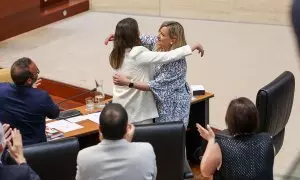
(144, 7)
(19, 22)
(47, 3)
(19, 16)
(8, 7)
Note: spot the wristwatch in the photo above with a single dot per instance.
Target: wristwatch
(131, 84)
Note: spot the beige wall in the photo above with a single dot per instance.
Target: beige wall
(256, 11)
(142, 7)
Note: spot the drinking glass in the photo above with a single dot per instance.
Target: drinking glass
(89, 104)
(99, 95)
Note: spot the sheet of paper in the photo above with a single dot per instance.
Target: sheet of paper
(197, 87)
(93, 117)
(77, 119)
(64, 126)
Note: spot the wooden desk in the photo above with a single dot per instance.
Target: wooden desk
(60, 91)
(88, 135)
(199, 113)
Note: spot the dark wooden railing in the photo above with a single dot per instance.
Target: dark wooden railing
(19, 16)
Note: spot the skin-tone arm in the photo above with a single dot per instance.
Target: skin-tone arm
(15, 148)
(212, 158)
(122, 80)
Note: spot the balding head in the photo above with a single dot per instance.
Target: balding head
(113, 122)
(24, 72)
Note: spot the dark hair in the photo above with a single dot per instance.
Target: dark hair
(126, 36)
(242, 116)
(113, 121)
(20, 71)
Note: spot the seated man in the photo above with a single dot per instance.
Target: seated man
(24, 107)
(116, 157)
(15, 172)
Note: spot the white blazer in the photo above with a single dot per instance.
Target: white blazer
(137, 65)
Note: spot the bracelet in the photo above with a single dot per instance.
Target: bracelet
(131, 84)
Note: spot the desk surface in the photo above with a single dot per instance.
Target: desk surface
(90, 127)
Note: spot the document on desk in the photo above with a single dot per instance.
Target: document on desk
(93, 117)
(64, 126)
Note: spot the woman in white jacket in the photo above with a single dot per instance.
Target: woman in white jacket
(130, 58)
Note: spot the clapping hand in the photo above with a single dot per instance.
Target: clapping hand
(7, 133)
(206, 134)
(15, 148)
(37, 83)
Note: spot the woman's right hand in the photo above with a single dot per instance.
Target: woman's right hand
(111, 37)
(198, 47)
(206, 134)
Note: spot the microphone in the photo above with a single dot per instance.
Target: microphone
(83, 93)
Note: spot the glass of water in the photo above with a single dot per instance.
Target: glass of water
(99, 95)
(89, 104)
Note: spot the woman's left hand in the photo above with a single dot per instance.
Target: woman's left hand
(206, 134)
(120, 80)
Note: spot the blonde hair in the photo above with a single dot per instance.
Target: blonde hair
(176, 31)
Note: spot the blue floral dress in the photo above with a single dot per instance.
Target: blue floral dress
(169, 87)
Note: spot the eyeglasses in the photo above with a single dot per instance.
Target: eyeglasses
(37, 72)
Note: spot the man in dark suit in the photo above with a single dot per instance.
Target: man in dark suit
(24, 107)
(15, 172)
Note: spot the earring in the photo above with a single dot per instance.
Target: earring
(171, 43)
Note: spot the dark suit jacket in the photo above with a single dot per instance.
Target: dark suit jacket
(26, 108)
(17, 172)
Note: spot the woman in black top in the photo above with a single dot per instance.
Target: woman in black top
(245, 155)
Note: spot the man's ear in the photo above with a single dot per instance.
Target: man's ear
(127, 130)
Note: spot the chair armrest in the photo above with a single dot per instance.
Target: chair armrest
(187, 172)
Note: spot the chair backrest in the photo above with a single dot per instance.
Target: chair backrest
(168, 141)
(274, 103)
(5, 75)
(54, 159)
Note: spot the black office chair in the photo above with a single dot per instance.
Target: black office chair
(52, 160)
(168, 141)
(274, 103)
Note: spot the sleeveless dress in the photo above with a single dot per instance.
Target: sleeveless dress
(246, 157)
